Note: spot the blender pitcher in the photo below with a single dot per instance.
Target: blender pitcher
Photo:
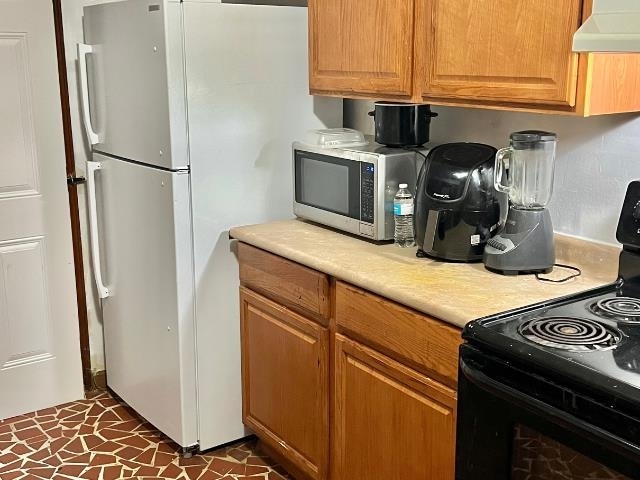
(524, 171)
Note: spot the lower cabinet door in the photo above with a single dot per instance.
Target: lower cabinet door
(388, 421)
(285, 382)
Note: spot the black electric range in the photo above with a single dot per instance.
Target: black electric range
(553, 390)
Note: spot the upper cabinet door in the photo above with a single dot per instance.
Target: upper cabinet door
(361, 47)
(497, 51)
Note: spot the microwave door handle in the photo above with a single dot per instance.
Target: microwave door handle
(541, 408)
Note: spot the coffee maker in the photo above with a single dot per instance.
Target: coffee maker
(524, 171)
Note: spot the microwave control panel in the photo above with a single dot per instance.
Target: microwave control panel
(367, 191)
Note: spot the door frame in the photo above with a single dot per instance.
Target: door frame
(83, 322)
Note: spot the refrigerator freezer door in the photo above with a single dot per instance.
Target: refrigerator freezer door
(148, 316)
(135, 77)
(248, 101)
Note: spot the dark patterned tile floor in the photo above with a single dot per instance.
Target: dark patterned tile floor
(101, 438)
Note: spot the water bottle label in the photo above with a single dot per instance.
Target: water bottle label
(403, 209)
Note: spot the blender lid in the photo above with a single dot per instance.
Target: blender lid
(533, 136)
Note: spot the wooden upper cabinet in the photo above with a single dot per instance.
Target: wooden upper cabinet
(500, 54)
(498, 51)
(361, 47)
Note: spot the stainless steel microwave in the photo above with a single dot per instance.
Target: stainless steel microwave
(351, 189)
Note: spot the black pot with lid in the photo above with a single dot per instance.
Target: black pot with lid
(402, 124)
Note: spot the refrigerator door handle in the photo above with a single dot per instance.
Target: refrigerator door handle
(92, 167)
(83, 51)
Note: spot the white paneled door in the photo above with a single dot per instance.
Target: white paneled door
(39, 340)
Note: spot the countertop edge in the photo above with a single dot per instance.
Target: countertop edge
(441, 311)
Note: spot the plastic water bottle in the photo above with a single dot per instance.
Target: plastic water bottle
(403, 216)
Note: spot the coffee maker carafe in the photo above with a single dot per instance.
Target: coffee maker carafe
(524, 171)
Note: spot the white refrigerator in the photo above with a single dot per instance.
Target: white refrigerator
(191, 108)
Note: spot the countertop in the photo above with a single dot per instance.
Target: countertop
(453, 292)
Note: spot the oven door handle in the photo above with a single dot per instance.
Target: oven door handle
(541, 408)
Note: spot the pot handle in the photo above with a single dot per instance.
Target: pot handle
(432, 114)
(372, 113)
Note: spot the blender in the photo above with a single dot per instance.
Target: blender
(524, 171)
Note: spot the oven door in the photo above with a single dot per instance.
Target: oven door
(329, 190)
(513, 425)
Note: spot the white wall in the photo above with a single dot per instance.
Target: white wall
(72, 23)
(597, 157)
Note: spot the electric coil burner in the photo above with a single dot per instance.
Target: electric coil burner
(553, 390)
(624, 309)
(575, 334)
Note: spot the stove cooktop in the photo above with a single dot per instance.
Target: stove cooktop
(592, 337)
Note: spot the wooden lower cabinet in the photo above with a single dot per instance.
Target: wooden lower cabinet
(388, 421)
(415, 340)
(302, 289)
(341, 384)
(285, 365)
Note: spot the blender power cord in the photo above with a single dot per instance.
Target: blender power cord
(576, 270)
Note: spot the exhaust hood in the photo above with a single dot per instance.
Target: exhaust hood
(614, 26)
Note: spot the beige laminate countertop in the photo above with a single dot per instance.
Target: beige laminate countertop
(454, 292)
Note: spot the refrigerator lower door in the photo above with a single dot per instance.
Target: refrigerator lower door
(148, 316)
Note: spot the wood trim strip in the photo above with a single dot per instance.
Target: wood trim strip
(411, 380)
(613, 83)
(425, 344)
(300, 288)
(81, 294)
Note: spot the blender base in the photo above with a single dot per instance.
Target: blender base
(513, 273)
(525, 245)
